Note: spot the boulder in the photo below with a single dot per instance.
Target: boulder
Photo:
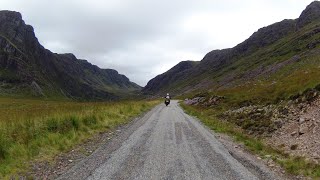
(303, 129)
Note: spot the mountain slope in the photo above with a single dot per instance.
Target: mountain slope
(177, 73)
(273, 60)
(28, 69)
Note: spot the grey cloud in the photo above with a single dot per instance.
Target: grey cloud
(141, 38)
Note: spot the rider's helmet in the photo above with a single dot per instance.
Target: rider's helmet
(167, 94)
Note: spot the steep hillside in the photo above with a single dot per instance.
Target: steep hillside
(28, 69)
(177, 73)
(277, 61)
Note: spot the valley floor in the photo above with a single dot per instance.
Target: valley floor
(168, 144)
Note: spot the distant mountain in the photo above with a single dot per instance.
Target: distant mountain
(28, 69)
(283, 58)
(177, 73)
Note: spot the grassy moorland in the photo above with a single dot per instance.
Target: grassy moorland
(38, 129)
(287, 82)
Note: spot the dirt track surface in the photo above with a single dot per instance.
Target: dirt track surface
(165, 144)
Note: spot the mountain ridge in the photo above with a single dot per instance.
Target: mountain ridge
(265, 49)
(28, 69)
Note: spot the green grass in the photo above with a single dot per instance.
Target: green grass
(32, 130)
(289, 80)
(293, 165)
(281, 87)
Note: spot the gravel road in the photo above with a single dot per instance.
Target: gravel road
(164, 144)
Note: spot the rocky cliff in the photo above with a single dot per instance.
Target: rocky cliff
(309, 15)
(28, 69)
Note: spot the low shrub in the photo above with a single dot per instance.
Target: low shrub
(4, 146)
(90, 120)
(52, 124)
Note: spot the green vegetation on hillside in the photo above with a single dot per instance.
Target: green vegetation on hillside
(289, 81)
(36, 129)
(275, 63)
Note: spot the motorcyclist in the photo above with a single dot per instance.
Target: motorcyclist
(167, 99)
(167, 96)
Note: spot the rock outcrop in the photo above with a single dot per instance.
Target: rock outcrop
(299, 136)
(292, 126)
(309, 15)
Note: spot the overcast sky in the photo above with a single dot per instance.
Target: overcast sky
(144, 38)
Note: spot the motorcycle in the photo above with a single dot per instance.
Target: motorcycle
(167, 102)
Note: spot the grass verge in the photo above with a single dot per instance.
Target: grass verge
(293, 165)
(32, 130)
